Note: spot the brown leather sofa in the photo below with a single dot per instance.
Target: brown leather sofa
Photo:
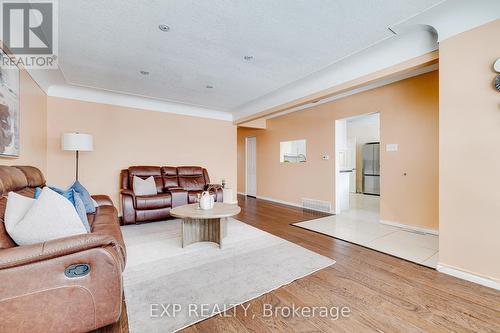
(72, 284)
(175, 186)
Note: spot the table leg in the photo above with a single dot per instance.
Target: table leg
(182, 233)
(223, 230)
(201, 230)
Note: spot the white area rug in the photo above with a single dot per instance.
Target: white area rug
(160, 274)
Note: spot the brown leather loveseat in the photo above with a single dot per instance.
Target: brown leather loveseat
(175, 186)
(71, 284)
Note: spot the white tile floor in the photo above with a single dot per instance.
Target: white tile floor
(361, 225)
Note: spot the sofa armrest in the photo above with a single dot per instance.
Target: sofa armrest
(212, 187)
(35, 290)
(128, 206)
(179, 196)
(27, 254)
(103, 200)
(128, 192)
(215, 189)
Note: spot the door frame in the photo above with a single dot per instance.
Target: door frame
(246, 165)
(336, 167)
(353, 151)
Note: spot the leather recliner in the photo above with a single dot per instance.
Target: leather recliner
(175, 186)
(71, 284)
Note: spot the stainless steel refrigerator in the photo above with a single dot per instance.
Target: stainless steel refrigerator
(371, 168)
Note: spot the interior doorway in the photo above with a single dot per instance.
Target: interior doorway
(357, 162)
(251, 166)
(357, 219)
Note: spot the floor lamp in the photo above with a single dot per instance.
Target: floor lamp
(77, 142)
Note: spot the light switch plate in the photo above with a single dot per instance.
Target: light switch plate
(391, 147)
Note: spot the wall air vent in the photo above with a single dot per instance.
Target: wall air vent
(318, 205)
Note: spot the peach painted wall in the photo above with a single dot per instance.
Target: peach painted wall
(470, 153)
(408, 116)
(33, 136)
(126, 136)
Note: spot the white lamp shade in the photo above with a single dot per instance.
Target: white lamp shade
(77, 141)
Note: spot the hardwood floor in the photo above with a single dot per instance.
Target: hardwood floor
(383, 293)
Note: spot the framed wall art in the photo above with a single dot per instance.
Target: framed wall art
(9, 109)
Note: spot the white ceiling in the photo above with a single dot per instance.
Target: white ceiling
(104, 44)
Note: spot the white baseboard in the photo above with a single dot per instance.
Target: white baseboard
(410, 227)
(279, 201)
(289, 203)
(484, 281)
(284, 202)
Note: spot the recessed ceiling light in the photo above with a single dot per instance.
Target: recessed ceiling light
(248, 57)
(164, 27)
(209, 86)
(144, 72)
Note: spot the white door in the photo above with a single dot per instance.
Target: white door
(251, 166)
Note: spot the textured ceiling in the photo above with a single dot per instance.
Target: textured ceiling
(105, 44)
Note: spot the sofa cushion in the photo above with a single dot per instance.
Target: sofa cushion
(5, 240)
(76, 201)
(29, 221)
(85, 195)
(81, 211)
(34, 176)
(189, 171)
(152, 214)
(192, 195)
(91, 218)
(145, 172)
(27, 192)
(17, 207)
(144, 186)
(161, 200)
(12, 178)
(169, 175)
(191, 178)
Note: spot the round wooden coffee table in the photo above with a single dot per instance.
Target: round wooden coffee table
(200, 225)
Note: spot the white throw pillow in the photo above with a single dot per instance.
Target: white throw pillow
(17, 207)
(144, 186)
(49, 217)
